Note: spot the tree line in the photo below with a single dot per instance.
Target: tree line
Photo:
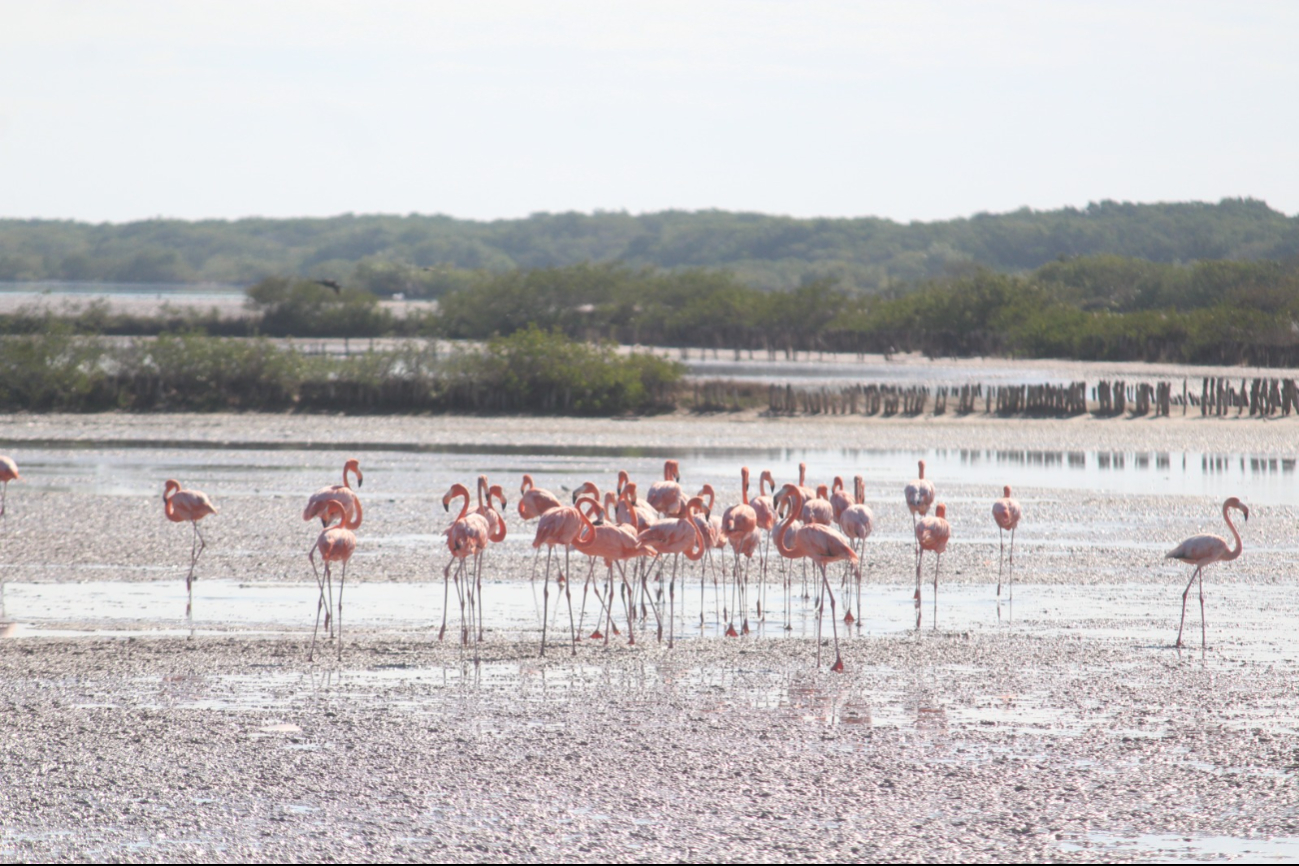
(429, 256)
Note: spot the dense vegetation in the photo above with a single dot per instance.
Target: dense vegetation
(428, 256)
(532, 371)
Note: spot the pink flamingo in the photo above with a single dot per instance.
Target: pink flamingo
(857, 522)
(823, 545)
(1202, 550)
(340, 493)
(932, 533)
(920, 496)
(1006, 512)
(534, 501)
(188, 505)
(676, 537)
(634, 510)
(765, 510)
(819, 510)
(839, 500)
(615, 545)
(467, 536)
(8, 472)
(564, 526)
(335, 544)
(487, 495)
(666, 496)
(738, 523)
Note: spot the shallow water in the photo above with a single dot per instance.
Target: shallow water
(128, 468)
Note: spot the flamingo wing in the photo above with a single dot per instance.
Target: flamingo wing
(1200, 550)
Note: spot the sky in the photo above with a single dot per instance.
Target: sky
(117, 110)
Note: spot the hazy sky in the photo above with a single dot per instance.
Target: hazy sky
(911, 110)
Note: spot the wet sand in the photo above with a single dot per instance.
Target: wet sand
(1073, 732)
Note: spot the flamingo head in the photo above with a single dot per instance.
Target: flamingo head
(354, 466)
(672, 471)
(170, 487)
(768, 478)
(587, 489)
(497, 493)
(1234, 502)
(456, 490)
(859, 489)
(789, 496)
(922, 469)
(697, 504)
(822, 491)
(940, 511)
(837, 485)
(629, 491)
(623, 478)
(526, 485)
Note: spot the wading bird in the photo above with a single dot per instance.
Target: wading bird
(1202, 550)
(857, 522)
(666, 496)
(823, 545)
(340, 493)
(1006, 512)
(8, 472)
(563, 526)
(615, 545)
(534, 501)
(188, 505)
(335, 544)
(932, 533)
(676, 537)
(467, 536)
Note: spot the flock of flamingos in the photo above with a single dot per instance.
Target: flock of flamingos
(821, 526)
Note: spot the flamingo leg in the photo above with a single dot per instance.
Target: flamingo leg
(644, 583)
(834, 625)
(1204, 639)
(744, 592)
(628, 603)
(1001, 533)
(819, 607)
(1011, 593)
(320, 602)
(672, 601)
(568, 594)
(1185, 593)
(938, 561)
(341, 581)
(460, 594)
(189, 578)
(545, 594)
(446, 595)
(919, 557)
(586, 586)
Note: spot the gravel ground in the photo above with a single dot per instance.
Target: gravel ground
(1086, 739)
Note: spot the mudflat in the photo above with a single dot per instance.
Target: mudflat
(1065, 728)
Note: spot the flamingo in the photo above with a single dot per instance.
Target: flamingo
(676, 537)
(562, 525)
(765, 510)
(8, 472)
(932, 533)
(823, 545)
(920, 496)
(666, 496)
(819, 510)
(1202, 550)
(336, 544)
(613, 544)
(495, 520)
(857, 522)
(341, 493)
(738, 523)
(534, 501)
(467, 536)
(838, 498)
(633, 510)
(710, 527)
(193, 505)
(1006, 512)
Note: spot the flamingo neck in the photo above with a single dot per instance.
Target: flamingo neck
(744, 487)
(782, 531)
(699, 536)
(1240, 545)
(526, 485)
